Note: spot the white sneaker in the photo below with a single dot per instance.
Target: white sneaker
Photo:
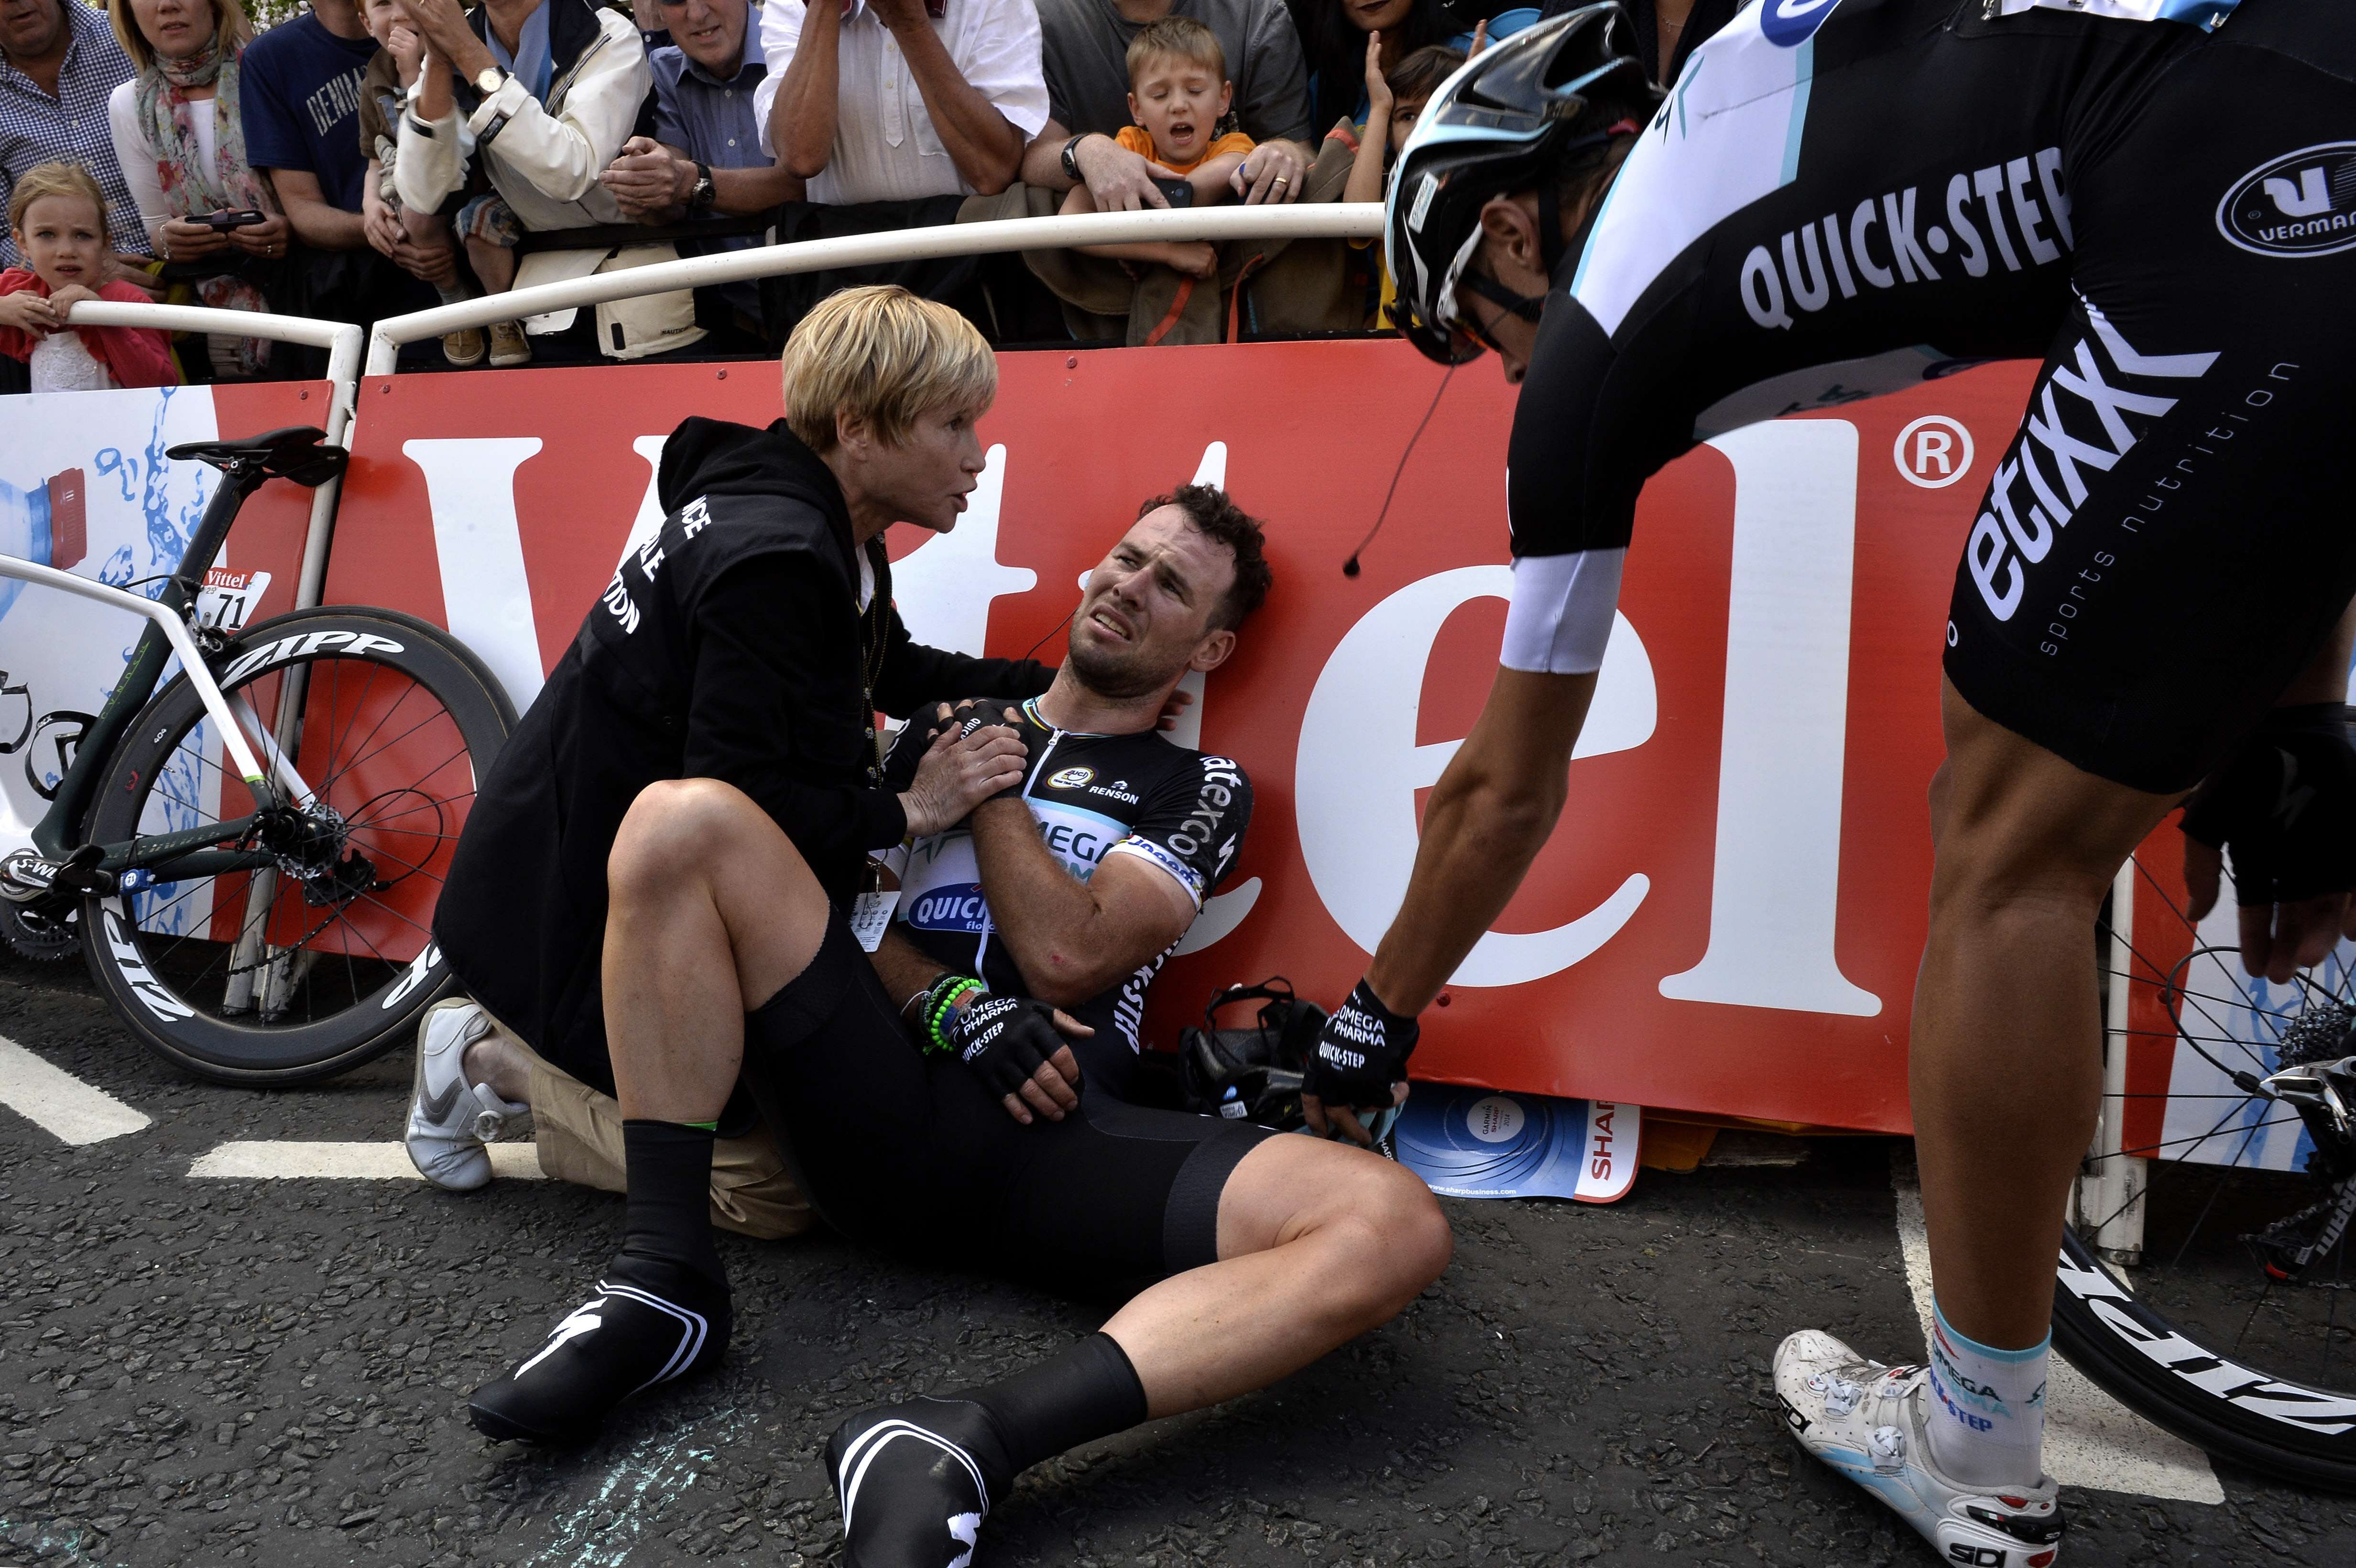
(1865, 1420)
(450, 1122)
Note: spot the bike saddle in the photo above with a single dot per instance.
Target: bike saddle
(295, 454)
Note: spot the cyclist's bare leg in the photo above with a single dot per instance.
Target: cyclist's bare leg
(1318, 1243)
(2005, 1064)
(712, 912)
(693, 929)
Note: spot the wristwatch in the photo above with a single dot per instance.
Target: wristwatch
(1071, 160)
(488, 80)
(700, 197)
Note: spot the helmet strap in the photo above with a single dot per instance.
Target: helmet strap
(1529, 307)
(1549, 225)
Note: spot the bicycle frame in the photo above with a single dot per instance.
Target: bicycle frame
(191, 851)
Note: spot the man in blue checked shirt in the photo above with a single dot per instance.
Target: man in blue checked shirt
(59, 61)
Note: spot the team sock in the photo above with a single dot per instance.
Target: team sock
(1089, 1391)
(666, 1237)
(1987, 1419)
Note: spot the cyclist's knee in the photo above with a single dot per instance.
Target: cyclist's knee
(676, 826)
(1404, 1241)
(1997, 864)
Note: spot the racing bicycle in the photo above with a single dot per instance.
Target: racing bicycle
(247, 854)
(2228, 1316)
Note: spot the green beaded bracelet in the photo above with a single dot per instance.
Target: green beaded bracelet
(938, 1002)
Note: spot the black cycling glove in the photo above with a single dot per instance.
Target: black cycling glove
(1004, 1039)
(2284, 808)
(1361, 1053)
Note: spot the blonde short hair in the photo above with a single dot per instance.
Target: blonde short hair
(883, 355)
(54, 179)
(229, 21)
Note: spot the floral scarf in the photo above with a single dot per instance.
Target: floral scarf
(191, 187)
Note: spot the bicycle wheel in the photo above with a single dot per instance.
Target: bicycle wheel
(316, 962)
(2237, 1328)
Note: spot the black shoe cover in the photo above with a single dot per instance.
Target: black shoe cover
(623, 1340)
(915, 1481)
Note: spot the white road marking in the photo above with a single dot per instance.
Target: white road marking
(61, 1103)
(2090, 1439)
(344, 1162)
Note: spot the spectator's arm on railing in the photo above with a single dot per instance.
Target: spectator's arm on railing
(652, 180)
(969, 105)
(1118, 178)
(315, 222)
(752, 190)
(804, 52)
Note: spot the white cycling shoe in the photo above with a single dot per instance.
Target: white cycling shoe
(450, 1121)
(1865, 1420)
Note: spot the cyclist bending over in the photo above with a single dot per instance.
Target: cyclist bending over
(1861, 192)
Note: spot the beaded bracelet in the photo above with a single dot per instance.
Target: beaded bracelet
(938, 1003)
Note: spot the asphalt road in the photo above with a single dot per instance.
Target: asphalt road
(235, 1372)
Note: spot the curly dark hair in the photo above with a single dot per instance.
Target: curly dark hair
(1218, 518)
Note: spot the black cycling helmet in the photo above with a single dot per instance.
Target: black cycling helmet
(1252, 1074)
(1506, 120)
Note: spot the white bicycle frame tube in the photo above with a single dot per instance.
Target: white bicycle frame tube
(176, 632)
(1321, 220)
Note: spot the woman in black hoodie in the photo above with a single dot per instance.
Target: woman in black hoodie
(944, 1123)
(745, 641)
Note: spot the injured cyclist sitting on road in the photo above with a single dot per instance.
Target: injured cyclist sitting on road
(1075, 900)
(925, 1112)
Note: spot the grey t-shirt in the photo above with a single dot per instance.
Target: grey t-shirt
(1084, 45)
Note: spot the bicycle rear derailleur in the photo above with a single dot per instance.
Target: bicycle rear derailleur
(2323, 1093)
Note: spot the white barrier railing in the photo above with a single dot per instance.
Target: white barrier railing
(1324, 220)
(342, 343)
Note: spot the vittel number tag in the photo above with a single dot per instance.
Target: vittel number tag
(228, 598)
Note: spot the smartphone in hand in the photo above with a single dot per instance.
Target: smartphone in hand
(221, 221)
(1177, 193)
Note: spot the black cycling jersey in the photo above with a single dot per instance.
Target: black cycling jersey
(1183, 812)
(1855, 195)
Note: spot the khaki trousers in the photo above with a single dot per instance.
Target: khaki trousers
(578, 1133)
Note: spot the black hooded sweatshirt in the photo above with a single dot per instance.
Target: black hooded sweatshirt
(729, 647)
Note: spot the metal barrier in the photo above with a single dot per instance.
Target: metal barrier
(1325, 220)
(342, 342)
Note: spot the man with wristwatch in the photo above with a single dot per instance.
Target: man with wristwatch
(705, 154)
(544, 94)
(704, 159)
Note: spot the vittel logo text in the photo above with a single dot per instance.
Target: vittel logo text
(2014, 215)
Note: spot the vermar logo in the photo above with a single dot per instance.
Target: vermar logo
(1791, 23)
(1072, 778)
(2301, 204)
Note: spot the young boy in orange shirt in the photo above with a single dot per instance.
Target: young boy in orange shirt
(1178, 92)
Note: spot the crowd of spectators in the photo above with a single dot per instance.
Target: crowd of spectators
(366, 158)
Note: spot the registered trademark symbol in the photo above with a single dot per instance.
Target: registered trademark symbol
(1934, 452)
